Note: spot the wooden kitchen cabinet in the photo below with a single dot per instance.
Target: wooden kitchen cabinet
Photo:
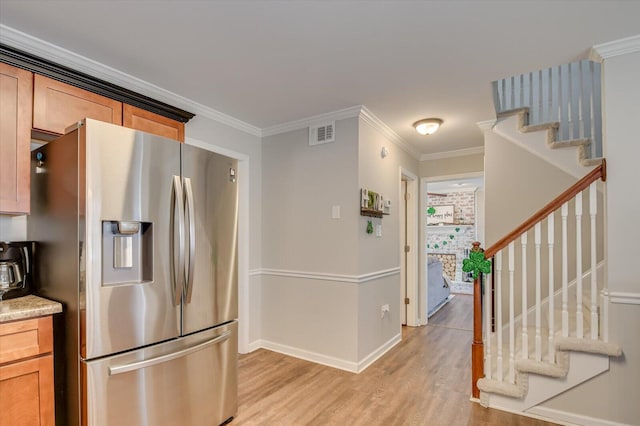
(140, 119)
(16, 87)
(57, 105)
(26, 373)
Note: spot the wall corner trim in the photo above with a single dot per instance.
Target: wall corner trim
(450, 154)
(302, 123)
(370, 118)
(379, 352)
(615, 48)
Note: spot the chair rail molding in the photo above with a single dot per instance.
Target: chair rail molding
(322, 276)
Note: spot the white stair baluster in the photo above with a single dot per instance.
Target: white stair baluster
(579, 317)
(538, 295)
(487, 326)
(565, 272)
(593, 211)
(512, 334)
(499, 371)
(525, 307)
(550, 241)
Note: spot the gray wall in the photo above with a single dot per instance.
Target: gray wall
(614, 395)
(379, 253)
(301, 183)
(452, 165)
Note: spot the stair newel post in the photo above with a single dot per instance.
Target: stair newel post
(477, 347)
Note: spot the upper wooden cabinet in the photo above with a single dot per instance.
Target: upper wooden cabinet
(57, 105)
(15, 136)
(149, 122)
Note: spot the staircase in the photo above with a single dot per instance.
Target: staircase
(540, 325)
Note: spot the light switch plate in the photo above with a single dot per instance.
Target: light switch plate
(335, 212)
(378, 230)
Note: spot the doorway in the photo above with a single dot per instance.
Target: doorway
(451, 218)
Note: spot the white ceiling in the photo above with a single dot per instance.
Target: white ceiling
(268, 63)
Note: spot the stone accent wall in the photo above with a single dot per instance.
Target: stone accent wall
(454, 239)
(448, 261)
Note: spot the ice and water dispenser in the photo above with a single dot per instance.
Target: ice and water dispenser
(127, 252)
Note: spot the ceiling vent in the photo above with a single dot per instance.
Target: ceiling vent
(322, 133)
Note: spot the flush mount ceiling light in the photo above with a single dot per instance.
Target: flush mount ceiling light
(427, 126)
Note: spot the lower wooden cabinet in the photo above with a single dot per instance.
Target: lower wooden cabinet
(26, 373)
(140, 119)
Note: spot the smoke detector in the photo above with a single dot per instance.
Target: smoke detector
(322, 133)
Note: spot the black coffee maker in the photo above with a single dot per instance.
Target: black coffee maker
(16, 264)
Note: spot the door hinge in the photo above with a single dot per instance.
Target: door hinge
(407, 196)
(406, 300)
(407, 249)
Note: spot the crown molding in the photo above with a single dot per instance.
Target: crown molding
(56, 54)
(450, 154)
(370, 118)
(486, 125)
(615, 48)
(303, 123)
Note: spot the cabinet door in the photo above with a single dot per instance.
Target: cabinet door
(139, 119)
(57, 105)
(26, 392)
(15, 136)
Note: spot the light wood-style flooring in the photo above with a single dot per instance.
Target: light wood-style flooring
(424, 380)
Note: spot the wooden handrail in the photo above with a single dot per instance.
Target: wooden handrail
(599, 172)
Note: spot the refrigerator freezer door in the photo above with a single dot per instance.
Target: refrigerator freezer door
(129, 298)
(188, 381)
(211, 194)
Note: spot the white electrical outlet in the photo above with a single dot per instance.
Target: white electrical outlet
(383, 310)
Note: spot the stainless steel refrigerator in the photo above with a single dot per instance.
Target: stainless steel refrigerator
(138, 240)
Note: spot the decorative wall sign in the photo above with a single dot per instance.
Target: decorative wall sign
(440, 214)
(372, 204)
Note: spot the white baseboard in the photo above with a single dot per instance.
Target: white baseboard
(329, 361)
(373, 356)
(570, 418)
(254, 346)
(316, 357)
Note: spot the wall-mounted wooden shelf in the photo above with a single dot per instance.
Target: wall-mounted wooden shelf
(371, 213)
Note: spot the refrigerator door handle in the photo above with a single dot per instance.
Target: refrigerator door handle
(192, 237)
(119, 369)
(177, 276)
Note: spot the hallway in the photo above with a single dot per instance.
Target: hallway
(424, 380)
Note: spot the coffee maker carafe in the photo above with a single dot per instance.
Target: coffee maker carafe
(16, 275)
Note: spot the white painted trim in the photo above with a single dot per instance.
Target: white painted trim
(413, 218)
(342, 114)
(451, 154)
(244, 209)
(254, 346)
(371, 119)
(457, 176)
(615, 48)
(376, 354)
(533, 415)
(253, 272)
(565, 417)
(486, 125)
(355, 279)
(316, 357)
(623, 297)
(61, 56)
(330, 361)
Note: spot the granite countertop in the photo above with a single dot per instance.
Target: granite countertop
(27, 307)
